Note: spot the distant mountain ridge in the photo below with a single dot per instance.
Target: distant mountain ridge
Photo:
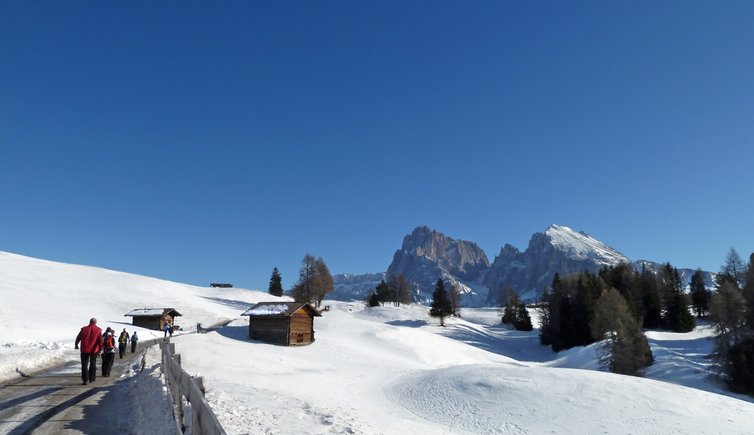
(558, 250)
(427, 255)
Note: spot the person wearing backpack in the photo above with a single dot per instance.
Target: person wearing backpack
(108, 353)
(122, 341)
(134, 340)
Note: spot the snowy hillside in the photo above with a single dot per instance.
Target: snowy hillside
(580, 246)
(45, 304)
(382, 370)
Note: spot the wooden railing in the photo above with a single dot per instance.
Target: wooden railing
(180, 384)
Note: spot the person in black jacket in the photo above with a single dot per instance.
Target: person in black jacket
(134, 340)
(122, 342)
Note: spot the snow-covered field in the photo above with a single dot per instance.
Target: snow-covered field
(379, 370)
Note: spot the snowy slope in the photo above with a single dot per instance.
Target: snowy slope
(383, 370)
(581, 246)
(45, 304)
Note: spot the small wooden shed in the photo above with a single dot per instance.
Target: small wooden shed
(285, 323)
(153, 318)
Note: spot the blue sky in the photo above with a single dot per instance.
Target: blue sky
(210, 142)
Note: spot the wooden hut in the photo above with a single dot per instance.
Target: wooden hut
(285, 323)
(153, 318)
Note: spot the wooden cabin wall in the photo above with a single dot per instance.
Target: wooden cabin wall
(302, 329)
(270, 330)
(147, 322)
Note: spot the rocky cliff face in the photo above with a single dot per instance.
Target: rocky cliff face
(427, 255)
(557, 250)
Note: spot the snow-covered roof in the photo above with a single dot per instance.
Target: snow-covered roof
(149, 312)
(277, 309)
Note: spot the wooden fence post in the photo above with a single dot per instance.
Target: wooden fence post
(180, 385)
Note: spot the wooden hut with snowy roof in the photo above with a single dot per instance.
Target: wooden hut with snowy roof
(285, 323)
(153, 318)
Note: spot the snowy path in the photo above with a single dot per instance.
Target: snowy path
(55, 402)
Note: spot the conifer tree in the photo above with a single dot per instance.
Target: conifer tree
(677, 317)
(700, 296)
(733, 317)
(523, 320)
(515, 312)
(626, 350)
(651, 300)
(276, 283)
(748, 293)
(373, 300)
(383, 292)
(441, 306)
(733, 270)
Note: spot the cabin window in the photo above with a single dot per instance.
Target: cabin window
(299, 337)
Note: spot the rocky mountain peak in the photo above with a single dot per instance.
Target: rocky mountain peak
(558, 250)
(427, 255)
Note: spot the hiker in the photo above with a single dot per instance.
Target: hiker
(165, 327)
(170, 331)
(122, 342)
(108, 352)
(91, 344)
(134, 340)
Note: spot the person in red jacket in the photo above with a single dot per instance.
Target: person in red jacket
(90, 338)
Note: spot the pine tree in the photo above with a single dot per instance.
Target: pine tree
(509, 299)
(748, 294)
(700, 296)
(441, 306)
(523, 320)
(515, 312)
(626, 350)
(728, 314)
(732, 312)
(677, 317)
(383, 292)
(651, 300)
(276, 283)
(373, 300)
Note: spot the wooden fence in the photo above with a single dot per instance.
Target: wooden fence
(180, 384)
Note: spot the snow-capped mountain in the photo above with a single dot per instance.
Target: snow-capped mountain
(427, 255)
(558, 250)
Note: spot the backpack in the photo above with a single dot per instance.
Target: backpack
(109, 342)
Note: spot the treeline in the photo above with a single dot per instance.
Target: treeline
(396, 290)
(614, 305)
(654, 300)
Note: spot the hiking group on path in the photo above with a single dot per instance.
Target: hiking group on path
(93, 342)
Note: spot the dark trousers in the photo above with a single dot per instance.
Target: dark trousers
(88, 367)
(107, 362)
(133, 346)
(121, 349)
